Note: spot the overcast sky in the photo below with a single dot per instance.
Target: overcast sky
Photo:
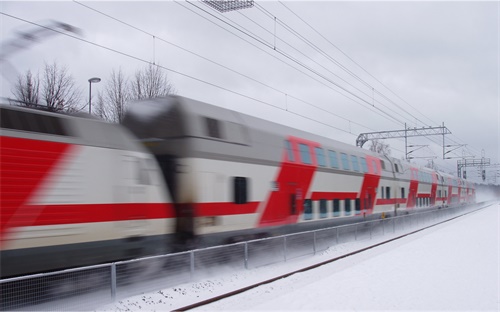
(331, 67)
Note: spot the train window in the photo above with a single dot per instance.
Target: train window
(334, 162)
(382, 193)
(396, 167)
(336, 207)
(322, 208)
(375, 167)
(5, 120)
(240, 190)
(320, 156)
(439, 193)
(382, 163)
(347, 206)
(305, 154)
(345, 161)
(213, 128)
(289, 150)
(27, 121)
(357, 205)
(388, 192)
(364, 165)
(308, 209)
(355, 164)
(402, 192)
(445, 193)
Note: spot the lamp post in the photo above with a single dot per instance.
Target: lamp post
(91, 81)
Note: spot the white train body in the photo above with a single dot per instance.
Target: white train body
(78, 191)
(75, 191)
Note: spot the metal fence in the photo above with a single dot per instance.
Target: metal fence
(87, 287)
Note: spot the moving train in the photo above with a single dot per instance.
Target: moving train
(178, 174)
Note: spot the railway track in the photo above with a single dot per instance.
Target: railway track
(311, 267)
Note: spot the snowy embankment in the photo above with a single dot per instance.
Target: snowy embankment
(453, 266)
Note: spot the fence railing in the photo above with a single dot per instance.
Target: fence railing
(87, 287)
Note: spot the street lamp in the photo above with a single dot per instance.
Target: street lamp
(91, 81)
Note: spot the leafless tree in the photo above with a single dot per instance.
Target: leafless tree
(56, 90)
(150, 82)
(27, 89)
(379, 147)
(59, 90)
(111, 103)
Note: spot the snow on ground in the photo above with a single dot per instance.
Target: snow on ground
(453, 266)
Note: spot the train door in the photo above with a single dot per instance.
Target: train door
(184, 212)
(368, 199)
(295, 197)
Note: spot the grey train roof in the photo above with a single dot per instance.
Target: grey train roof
(176, 118)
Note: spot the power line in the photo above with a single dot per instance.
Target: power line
(357, 64)
(174, 71)
(218, 64)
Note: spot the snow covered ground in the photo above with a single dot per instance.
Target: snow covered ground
(453, 266)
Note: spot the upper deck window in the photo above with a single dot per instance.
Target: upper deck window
(213, 128)
(345, 161)
(334, 162)
(305, 154)
(355, 164)
(320, 155)
(289, 150)
(375, 167)
(364, 165)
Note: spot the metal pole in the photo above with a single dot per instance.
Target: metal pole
(246, 255)
(314, 242)
(284, 247)
(90, 97)
(406, 143)
(191, 256)
(113, 281)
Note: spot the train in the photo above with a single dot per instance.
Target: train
(178, 174)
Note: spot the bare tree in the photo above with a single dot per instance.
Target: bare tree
(111, 104)
(26, 90)
(150, 82)
(56, 90)
(59, 90)
(379, 147)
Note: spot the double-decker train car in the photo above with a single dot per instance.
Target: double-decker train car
(236, 176)
(75, 191)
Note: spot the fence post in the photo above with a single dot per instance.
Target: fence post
(284, 247)
(314, 242)
(191, 262)
(246, 255)
(113, 281)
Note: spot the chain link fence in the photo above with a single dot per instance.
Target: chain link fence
(88, 287)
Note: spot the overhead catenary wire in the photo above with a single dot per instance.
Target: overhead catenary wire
(291, 96)
(221, 65)
(297, 62)
(176, 72)
(364, 70)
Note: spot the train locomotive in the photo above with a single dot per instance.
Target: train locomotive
(179, 174)
(75, 191)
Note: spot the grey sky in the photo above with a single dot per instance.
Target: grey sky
(440, 61)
